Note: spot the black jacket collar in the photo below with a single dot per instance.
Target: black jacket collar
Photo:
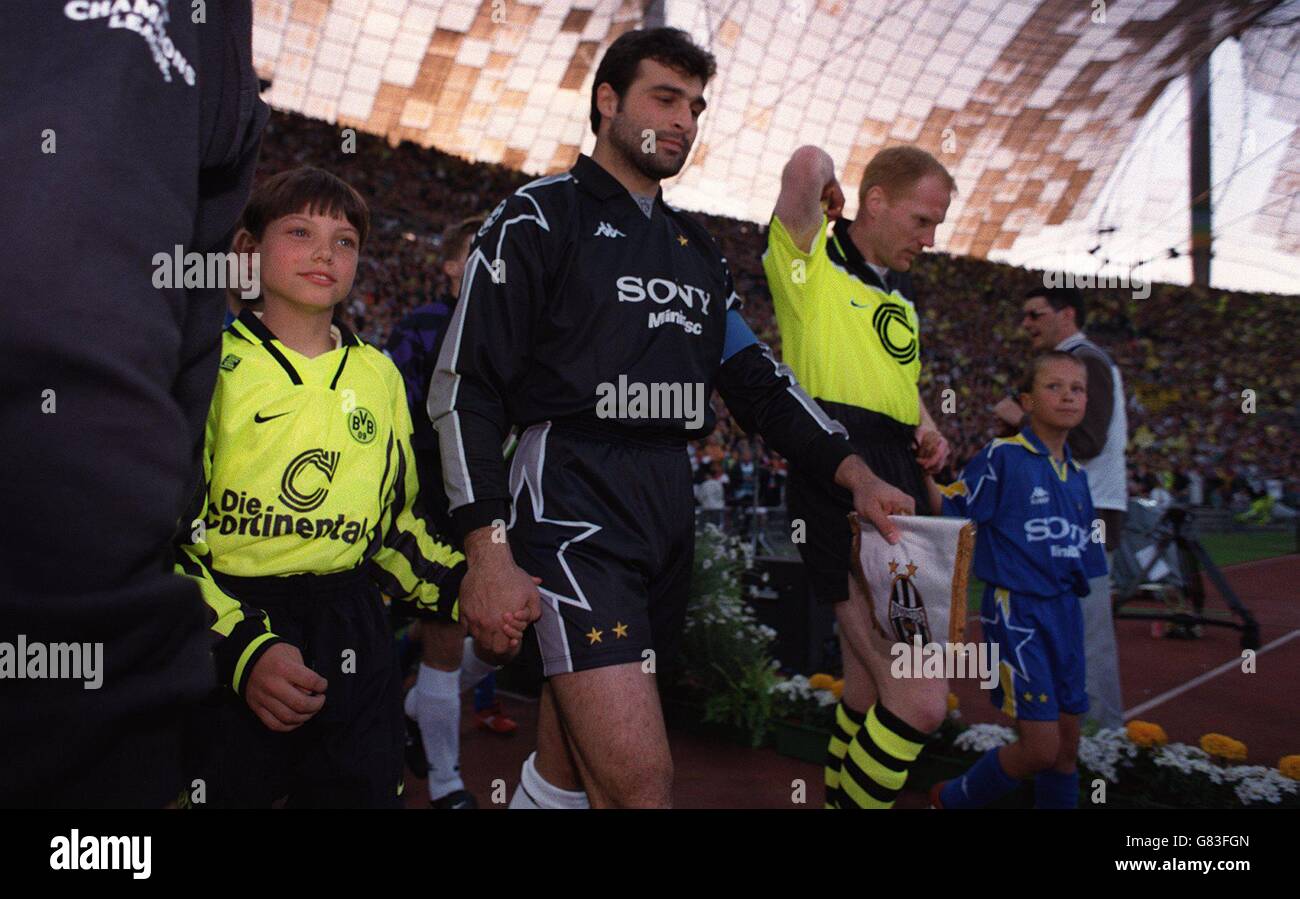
(844, 251)
(600, 183)
(249, 320)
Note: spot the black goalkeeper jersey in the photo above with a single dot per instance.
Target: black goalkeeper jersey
(575, 305)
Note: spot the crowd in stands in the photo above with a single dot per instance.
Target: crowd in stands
(1211, 376)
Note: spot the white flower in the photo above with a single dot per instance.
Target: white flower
(983, 737)
(707, 564)
(794, 688)
(1260, 784)
(1188, 760)
(1104, 751)
(825, 698)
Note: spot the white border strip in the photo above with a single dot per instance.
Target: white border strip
(1202, 678)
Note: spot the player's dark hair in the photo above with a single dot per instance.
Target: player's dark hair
(671, 47)
(1031, 371)
(1061, 297)
(305, 189)
(457, 236)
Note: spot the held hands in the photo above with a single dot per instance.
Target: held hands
(874, 499)
(498, 599)
(931, 449)
(283, 692)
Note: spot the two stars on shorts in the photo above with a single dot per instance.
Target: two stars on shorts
(620, 631)
(1029, 697)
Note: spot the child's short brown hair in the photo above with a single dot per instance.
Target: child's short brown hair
(1031, 372)
(305, 189)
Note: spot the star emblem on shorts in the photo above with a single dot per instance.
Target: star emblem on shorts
(1019, 666)
(1042, 697)
(681, 239)
(594, 636)
(620, 630)
(1029, 697)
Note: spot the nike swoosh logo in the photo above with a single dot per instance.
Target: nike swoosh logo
(257, 417)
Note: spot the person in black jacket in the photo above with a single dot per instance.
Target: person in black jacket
(129, 132)
(599, 320)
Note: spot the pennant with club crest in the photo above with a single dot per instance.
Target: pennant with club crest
(916, 587)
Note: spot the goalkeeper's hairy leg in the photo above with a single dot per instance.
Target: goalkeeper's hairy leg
(613, 724)
(552, 776)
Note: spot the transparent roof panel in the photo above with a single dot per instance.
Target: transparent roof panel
(1034, 106)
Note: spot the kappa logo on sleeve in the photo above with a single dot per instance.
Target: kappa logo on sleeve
(147, 18)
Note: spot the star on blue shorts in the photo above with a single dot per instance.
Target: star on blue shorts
(1039, 642)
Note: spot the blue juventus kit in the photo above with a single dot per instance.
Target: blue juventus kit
(1035, 553)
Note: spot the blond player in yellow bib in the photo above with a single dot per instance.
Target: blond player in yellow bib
(850, 332)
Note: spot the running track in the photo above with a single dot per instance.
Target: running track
(1188, 687)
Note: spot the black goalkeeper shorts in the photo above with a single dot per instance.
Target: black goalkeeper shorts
(887, 446)
(607, 521)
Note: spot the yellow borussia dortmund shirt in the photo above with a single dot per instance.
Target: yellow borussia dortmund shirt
(847, 341)
(309, 470)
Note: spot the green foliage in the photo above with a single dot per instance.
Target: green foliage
(726, 652)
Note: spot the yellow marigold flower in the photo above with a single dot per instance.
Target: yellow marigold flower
(821, 681)
(1223, 747)
(1290, 766)
(1146, 734)
(837, 688)
(952, 702)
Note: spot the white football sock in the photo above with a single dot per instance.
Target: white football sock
(472, 668)
(534, 792)
(434, 703)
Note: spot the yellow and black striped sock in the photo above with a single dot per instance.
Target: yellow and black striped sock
(875, 767)
(846, 727)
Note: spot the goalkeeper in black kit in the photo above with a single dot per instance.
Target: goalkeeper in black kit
(598, 319)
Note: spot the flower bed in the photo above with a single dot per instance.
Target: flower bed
(1139, 766)
(730, 687)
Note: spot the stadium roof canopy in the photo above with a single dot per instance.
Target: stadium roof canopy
(1034, 106)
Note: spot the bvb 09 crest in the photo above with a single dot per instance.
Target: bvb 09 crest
(906, 607)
